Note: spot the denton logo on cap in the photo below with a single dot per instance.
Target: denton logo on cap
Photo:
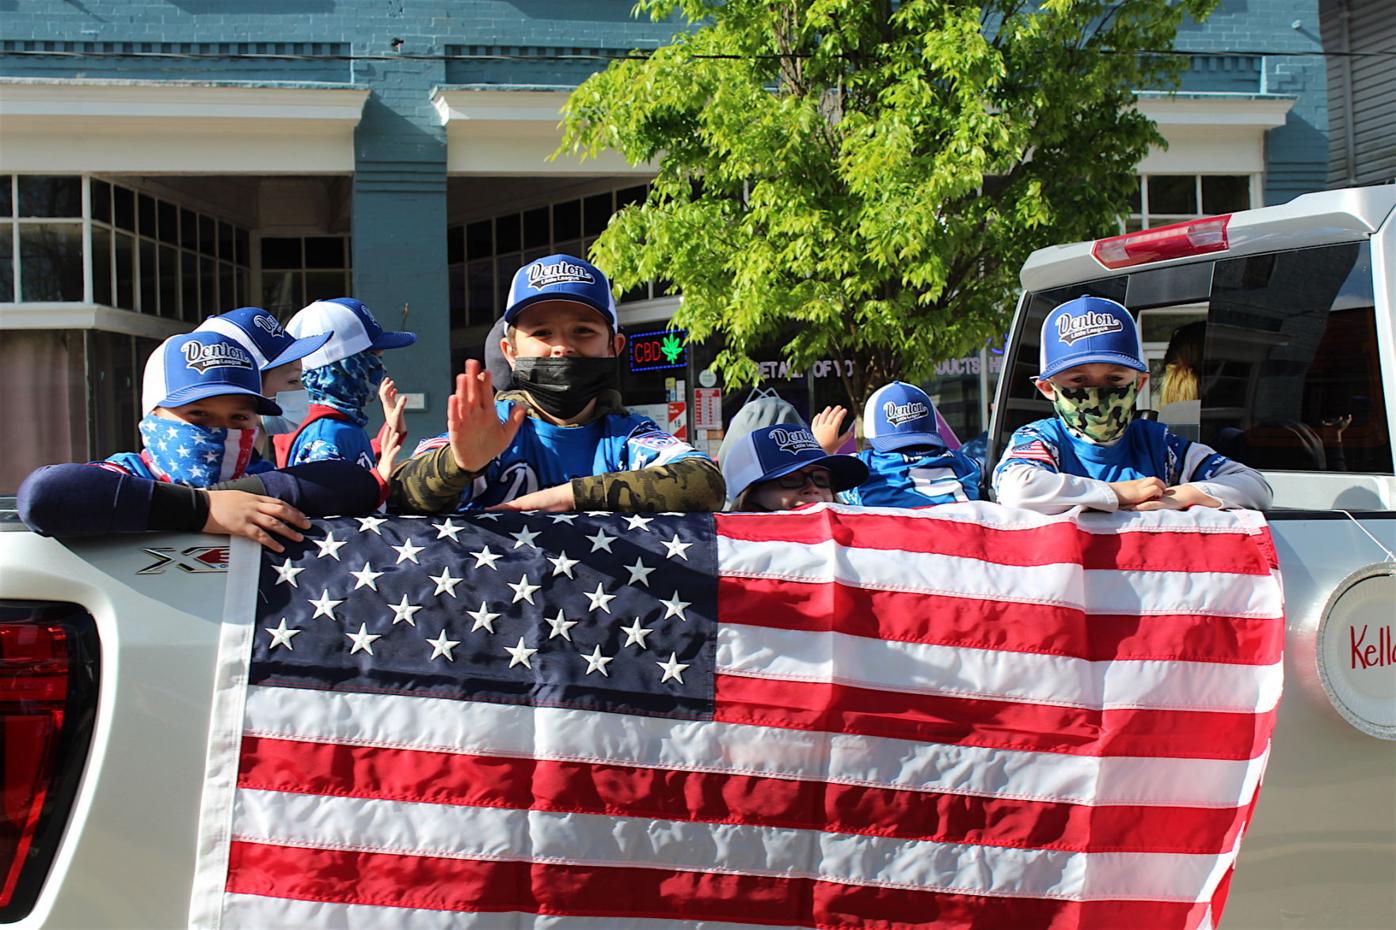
(1071, 328)
(268, 324)
(897, 414)
(794, 441)
(219, 355)
(541, 276)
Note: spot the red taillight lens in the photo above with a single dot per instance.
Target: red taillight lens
(1180, 240)
(33, 691)
(47, 703)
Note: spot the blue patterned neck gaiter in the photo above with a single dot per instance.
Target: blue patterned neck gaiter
(346, 385)
(195, 455)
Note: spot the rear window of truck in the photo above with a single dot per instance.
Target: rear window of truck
(1271, 359)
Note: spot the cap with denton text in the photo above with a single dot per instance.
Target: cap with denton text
(900, 416)
(561, 277)
(1089, 330)
(351, 326)
(198, 365)
(769, 452)
(257, 331)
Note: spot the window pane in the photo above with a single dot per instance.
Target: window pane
(208, 285)
(320, 285)
(244, 282)
(7, 263)
(50, 260)
(111, 376)
(278, 252)
(281, 292)
(570, 247)
(42, 195)
(455, 244)
(507, 233)
(504, 268)
(1226, 194)
(1291, 378)
(536, 233)
(479, 240)
(208, 235)
(169, 281)
(1135, 203)
(150, 300)
(169, 223)
(124, 206)
(188, 229)
(1172, 193)
(244, 255)
(7, 202)
(146, 210)
(125, 271)
(479, 284)
(596, 213)
(324, 252)
(101, 265)
(455, 299)
(189, 285)
(101, 201)
(567, 220)
(227, 290)
(629, 195)
(225, 242)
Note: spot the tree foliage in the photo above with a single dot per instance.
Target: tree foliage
(861, 179)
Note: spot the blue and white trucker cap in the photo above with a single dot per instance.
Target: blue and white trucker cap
(351, 326)
(561, 277)
(769, 452)
(258, 332)
(1086, 330)
(198, 365)
(900, 415)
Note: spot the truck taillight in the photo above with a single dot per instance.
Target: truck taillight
(48, 699)
(1194, 237)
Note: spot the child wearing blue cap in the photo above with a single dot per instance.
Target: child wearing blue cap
(909, 463)
(201, 396)
(783, 467)
(341, 378)
(1096, 453)
(557, 437)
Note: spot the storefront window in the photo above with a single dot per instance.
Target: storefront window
(297, 270)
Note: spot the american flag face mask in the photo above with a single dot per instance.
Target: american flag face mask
(198, 456)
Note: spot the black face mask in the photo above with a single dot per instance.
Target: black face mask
(561, 387)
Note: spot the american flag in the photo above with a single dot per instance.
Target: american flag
(967, 717)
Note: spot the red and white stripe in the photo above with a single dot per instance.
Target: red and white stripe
(960, 717)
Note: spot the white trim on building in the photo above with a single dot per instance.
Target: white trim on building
(49, 316)
(165, 127)
(1212, 133)
(514, 132)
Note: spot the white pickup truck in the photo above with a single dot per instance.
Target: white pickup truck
(108, 646)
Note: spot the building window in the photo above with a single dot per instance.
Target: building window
(153, 256)
(297, 270)
(484, 254)
(1172, 198)
(41, 238)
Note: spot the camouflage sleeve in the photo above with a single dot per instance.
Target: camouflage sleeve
(430, 483)
(692, 485)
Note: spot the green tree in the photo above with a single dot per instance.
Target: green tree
(861, 179)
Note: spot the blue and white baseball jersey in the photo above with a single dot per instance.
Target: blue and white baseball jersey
(328, 439)
(1148, 449)
(915, 479)
(544, 455)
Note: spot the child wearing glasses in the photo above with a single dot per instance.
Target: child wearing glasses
(782, 467)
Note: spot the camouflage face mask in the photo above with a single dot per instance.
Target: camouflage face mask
(1096, 414)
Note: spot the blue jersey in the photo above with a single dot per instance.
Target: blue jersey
(915, 479)
(544, 455)
(330, 439)
(1148, 449)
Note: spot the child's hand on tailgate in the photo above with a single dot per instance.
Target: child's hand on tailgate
(1180, 497)
(256, 516)
(1139, 491)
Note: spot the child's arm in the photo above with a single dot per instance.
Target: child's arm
(1029, 477)
(1212, 480)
